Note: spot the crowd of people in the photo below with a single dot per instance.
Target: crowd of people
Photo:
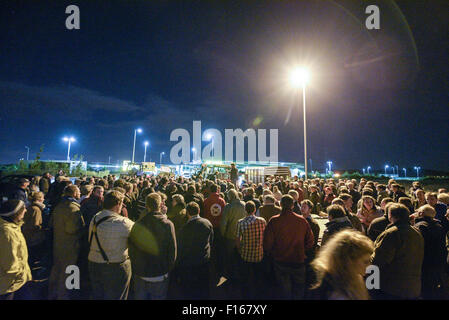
(162, 237)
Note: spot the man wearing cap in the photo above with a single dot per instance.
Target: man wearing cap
(20, 192)
(14, 269)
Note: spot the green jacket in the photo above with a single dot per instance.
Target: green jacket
(68, 229)
(14, 268)
(399, 253)
(232, 213)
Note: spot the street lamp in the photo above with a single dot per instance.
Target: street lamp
(299, 77)
(160, 157)
(405, 172)
(69, 140)
(329, 163)
(386, 167)
(417, 171)
(397, 170)
(363, 171)
(368, 169)
(28, 152)
(146, 143)
(134, 145)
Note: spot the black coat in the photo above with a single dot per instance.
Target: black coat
(194, 243)
(434, 242)
(152, 245)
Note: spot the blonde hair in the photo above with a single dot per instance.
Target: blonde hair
(335, 263)
(427, 211)
(444, 197)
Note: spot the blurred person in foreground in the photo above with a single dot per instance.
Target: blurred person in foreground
(14, 269)
(341, 265)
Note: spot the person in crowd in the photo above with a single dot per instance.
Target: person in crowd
(269, 208)
(93, 204)
(248, 195)
(314, 196)
(68, 225)
(348, 204)
(194, 248)
(20, 192)
(108, 260)
(177, 213)
(232, 213)
(306, 209)
(368, 212)
(234, 175)
(213, 207)
(277, 193)
(296, 205)
(406, 201)
(340, 267)
(44, 183)
(15, 272)
(152, 250)
(381, 192)
(440, 208)
(338, 220)
(397, 192)
(32, 227)
(249, 243)
(434, 253)
(287, 238)
(86, 191)
(399, 253)
(379, 225)
(328, 196)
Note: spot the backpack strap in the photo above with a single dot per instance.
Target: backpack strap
(94, 232)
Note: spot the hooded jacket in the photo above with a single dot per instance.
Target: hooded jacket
(14, 268)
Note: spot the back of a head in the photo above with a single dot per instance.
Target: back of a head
(287, 202)
(335, 211)
(427, 210)
(153, 201)
(338, 201)
(70, 190)
(192, 208)
(232, 194)
(250, 207)
(213, 188)
(112, 198)
(268, 199)
(399, 212)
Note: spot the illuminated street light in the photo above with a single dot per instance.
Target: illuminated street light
(363, 170)
(146, 143)
(329, 163)
(69, 140)
(405, 172)
(386, 167)
(134, 145)
(417, 171)
(368, 169)
(299, 77)
(28, 152)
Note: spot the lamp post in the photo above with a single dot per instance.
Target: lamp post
(28, 152)
(329, 163)
(299, 78)
(386, 167)
(134, 145)
(368, 169)
(405, 172)
(69, 140)
(397, 170)
(417, 171)
(146, 143)
(160, 157)
(363, 171)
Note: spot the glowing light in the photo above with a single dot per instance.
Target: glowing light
(299, 77)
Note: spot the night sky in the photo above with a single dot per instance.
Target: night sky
(375, 96)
